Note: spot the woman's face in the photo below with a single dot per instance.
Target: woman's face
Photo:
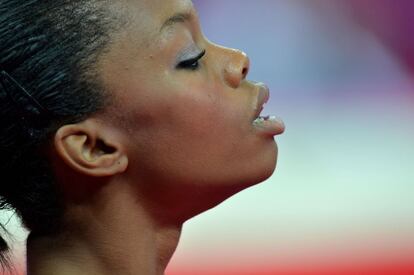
(187, 123)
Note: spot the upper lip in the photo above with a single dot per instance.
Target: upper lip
(262, 98)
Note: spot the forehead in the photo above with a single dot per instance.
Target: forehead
(139, 44)
(143, 19)
(149, 15)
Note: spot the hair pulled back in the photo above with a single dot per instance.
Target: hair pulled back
(49, 47)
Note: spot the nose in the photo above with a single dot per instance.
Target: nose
(237, 68)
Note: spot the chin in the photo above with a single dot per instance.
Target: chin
(257, 173)
(266, 167)
(222, 186)
(217, 195)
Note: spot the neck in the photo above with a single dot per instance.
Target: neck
(111, 234)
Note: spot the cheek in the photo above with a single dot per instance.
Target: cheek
(201, 136)
(201, 118)
(209, 111)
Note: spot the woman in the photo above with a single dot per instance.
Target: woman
(119, 122)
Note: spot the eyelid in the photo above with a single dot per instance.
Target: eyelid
(189, 53)
(199, 56)
(191, 60)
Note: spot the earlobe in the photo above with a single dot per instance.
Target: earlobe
(86, 149)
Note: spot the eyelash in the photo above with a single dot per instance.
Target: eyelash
(191, 64)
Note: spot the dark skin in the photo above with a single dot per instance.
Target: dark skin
(177, 140)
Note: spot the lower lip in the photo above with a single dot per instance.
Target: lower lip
(269, 125)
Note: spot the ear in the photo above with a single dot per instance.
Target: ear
(91, 149)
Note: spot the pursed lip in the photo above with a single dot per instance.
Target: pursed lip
(263, 97)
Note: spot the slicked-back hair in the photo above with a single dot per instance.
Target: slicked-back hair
(50, 48)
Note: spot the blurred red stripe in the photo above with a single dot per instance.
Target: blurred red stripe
(390, 269)
(400, 269)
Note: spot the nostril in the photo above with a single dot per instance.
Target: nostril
(245, 72)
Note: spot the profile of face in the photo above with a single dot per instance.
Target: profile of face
(180, 132)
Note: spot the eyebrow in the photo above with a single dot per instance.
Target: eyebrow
(180, 17)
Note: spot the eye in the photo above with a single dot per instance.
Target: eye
(192, 64)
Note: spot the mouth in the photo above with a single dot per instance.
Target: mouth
(263, 98)
(266, 123)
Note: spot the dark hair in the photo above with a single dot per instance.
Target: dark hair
(50, 48)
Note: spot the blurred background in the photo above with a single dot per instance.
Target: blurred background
(341, 201)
